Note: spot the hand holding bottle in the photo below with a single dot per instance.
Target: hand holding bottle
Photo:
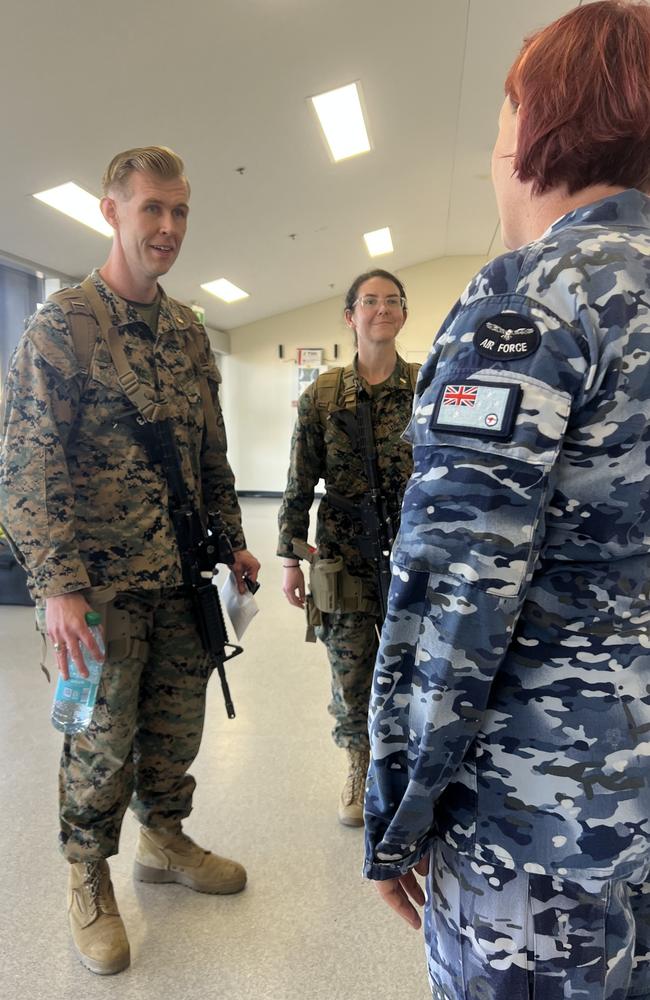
(66, 625)
(76, 692)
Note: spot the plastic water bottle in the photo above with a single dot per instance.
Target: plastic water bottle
(74, 699)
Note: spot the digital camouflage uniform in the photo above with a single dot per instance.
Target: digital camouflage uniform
(322, 450)
(84, 507)
(510, 710)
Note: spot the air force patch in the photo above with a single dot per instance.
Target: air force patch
(507, 337)
(480, 409)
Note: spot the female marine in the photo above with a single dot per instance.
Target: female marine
(344, 603)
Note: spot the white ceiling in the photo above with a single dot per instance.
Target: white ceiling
(224, 83)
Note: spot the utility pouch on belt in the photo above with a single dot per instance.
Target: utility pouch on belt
(332, 588)
(324, 583)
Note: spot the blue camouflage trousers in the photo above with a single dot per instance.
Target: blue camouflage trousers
(497, 934)
(351, 641)
(145, 732)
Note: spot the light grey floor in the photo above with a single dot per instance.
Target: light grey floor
(307, 925)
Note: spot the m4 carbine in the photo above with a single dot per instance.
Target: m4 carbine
(201, 549)
(377, 534)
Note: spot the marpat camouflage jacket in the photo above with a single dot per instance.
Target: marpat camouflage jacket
(324, 451)
(79, 498)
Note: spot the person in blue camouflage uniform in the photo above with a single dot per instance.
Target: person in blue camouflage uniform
(85, 508)
(510, 714)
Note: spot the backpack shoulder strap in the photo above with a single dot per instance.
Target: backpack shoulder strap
(348, 398)
(82, 324)
(150, 409)
(336, 389)
(326, 391)
(414, 371)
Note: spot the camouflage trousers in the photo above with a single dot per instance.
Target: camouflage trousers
(497, 934)
(145, 732)
(351, 642)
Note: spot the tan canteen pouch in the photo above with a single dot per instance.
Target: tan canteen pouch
(325, 583)
(333, 589)
(324, 592)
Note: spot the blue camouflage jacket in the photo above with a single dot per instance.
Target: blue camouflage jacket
(510, 712)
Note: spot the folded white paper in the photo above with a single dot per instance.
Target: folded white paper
(241, 608)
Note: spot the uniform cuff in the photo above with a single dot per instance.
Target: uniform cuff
(379, 871)
(237, 542)
(53, 581)
(235, 534)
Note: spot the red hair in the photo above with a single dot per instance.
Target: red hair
(583, 86)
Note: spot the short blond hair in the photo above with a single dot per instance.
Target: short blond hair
(158, 160)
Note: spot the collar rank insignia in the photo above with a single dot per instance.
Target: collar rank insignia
(507, 336)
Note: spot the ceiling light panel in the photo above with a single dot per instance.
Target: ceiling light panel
(340, 114)
(224, 289)
(80, 205)
(378, 242)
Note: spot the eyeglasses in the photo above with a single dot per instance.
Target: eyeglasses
(373, 301)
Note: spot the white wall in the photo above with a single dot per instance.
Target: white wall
(258, 387)
(219, 340)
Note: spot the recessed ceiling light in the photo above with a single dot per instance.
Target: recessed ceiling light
(378, 242)
(80, 205)
(341, 118)
(224, 289)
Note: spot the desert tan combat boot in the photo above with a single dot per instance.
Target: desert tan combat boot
(97, 930)
(351, 802)
(171, 856)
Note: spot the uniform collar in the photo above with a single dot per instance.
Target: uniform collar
(170, 317)
(629, 208)
(398, 379)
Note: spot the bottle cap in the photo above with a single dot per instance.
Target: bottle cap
(93, 618)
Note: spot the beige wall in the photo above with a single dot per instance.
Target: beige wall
(258, 387)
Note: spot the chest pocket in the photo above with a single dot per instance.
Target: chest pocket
(179, 385)
(473, 507)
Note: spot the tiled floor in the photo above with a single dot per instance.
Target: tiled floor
(307, 925)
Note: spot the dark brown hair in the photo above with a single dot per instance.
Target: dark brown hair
(353, 290)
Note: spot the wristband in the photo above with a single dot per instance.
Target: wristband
(290, 565)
